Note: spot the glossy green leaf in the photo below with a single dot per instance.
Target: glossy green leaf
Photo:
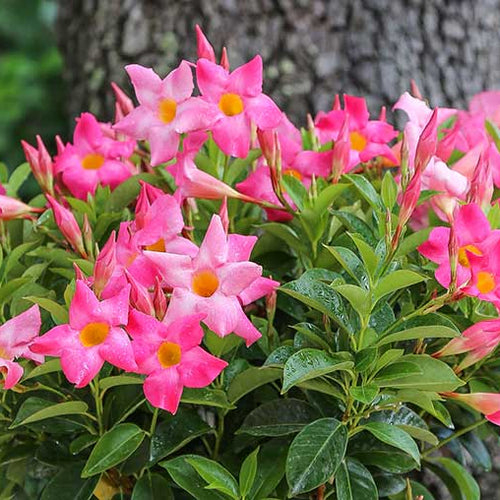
(113, 447)
(206, 397)
(152, 486)
(251, 379)
(50, 366)
(312, 363)
(396, 371)
(395, 281)
(366, 190)
(54, 410)
(82, 443)
(353, 481)
(189, 480)
(326, 197)
(315, 454)
(359, 298)
(174, 432)
(58, 312)
(278, 418)
(459, 481)
(435, 375)
(394, 436)
(419, 332)
(417, 490)
(68, 485)
(365, 394)
(217, 476)
(351, 264)
(248, 471)
(117, 380)
(296, 190)
(389, 190)
(367, 253)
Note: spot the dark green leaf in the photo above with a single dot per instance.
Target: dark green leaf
(251, 379)
(395, 281)
(152, 487)
(365, 394)
(248, 472)
(460, 483)
(54, 410)
(419, 332)
(68, 485)
(206, 397)
(315, 454)
(353, 481)
(113, 447)
(278, 418)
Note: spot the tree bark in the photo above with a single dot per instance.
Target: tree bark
(311, 49)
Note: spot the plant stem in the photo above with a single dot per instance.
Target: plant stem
(94, 385)
(154, 420)
(457, 434)
(219, 434)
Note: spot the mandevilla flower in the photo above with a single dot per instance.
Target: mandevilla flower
(236, 99)
(10, 208)
(93, 158)
(171, 357)
(484, 402)
(94, 335)
(166, 109)
(215, 282)
(16, 339)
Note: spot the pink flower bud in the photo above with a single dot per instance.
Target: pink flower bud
(336, 103)
(427, 143)
(205, 49)
(68, 226)
(224, 59)
(481, 185)
(123, 101)
(105, 264)
(446, 145)
(268, 140)
(41, 164)
(341, 152)
(10, 208)
(414, 90)
(60, 145)
(224, 217)
(139, 296)
(484, 402)
(159, 301)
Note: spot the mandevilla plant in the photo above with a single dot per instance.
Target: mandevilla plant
(205, 302)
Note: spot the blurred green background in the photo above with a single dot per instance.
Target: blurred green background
(31, 83)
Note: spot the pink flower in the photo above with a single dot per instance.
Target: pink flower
(472, 230)
(477, 341)
(171, 357)
(236, 99)
(488, 104)
(16, 338)
(68, 226)
(484, 402)
(105, 264)
(166, 109)
(367, 138)
(93, 336)
(216, 282)
(94, 158)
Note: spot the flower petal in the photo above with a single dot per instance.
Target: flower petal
(198, 368)
(213, 249)
(146, 82)
(246, 80)
(13, 373)
(81, 365)
(163, 389)
(178, 84)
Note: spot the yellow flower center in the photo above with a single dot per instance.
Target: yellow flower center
(463, 260)
(3, 354)
(159, 246)
(169, 354)
(94, 334)
(93, 161)
(167, 109)
(205, 283)
(231, 104)
(485, 282)
(293, 173)
(358, 141)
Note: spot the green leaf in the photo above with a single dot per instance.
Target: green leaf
(395, 281)
(68, 485)
(394, 436)
(355, 224)
(311, 363)
(218, 346)
(113, 448)
(295, 189)
(128, 191)
(388, 357)
(58, 312)
(239, 165)
(217, 476)
(359, 298)
(353, 481)
(17, 178)
(493, 132)
(278, 418)
(152, 486)
(206, 397)
(419, 332)
(10, 287)
(285, 233)
(270, 468)
(417, 490)
(50, 366)
(396, 371)
(174, 432)
(189, 480)
(435, 375)
(82, 443)
(248, 472)
(351, 263)
(366, 190)
(326, 197)
(411, 242)
(319, 296)
(460, 483)
(315, 454)
(389, 190)
(55, 410)
(367, 253)
(251, 379)
(365, 394)
(117, 380)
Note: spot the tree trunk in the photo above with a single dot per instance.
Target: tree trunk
(311, 49)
